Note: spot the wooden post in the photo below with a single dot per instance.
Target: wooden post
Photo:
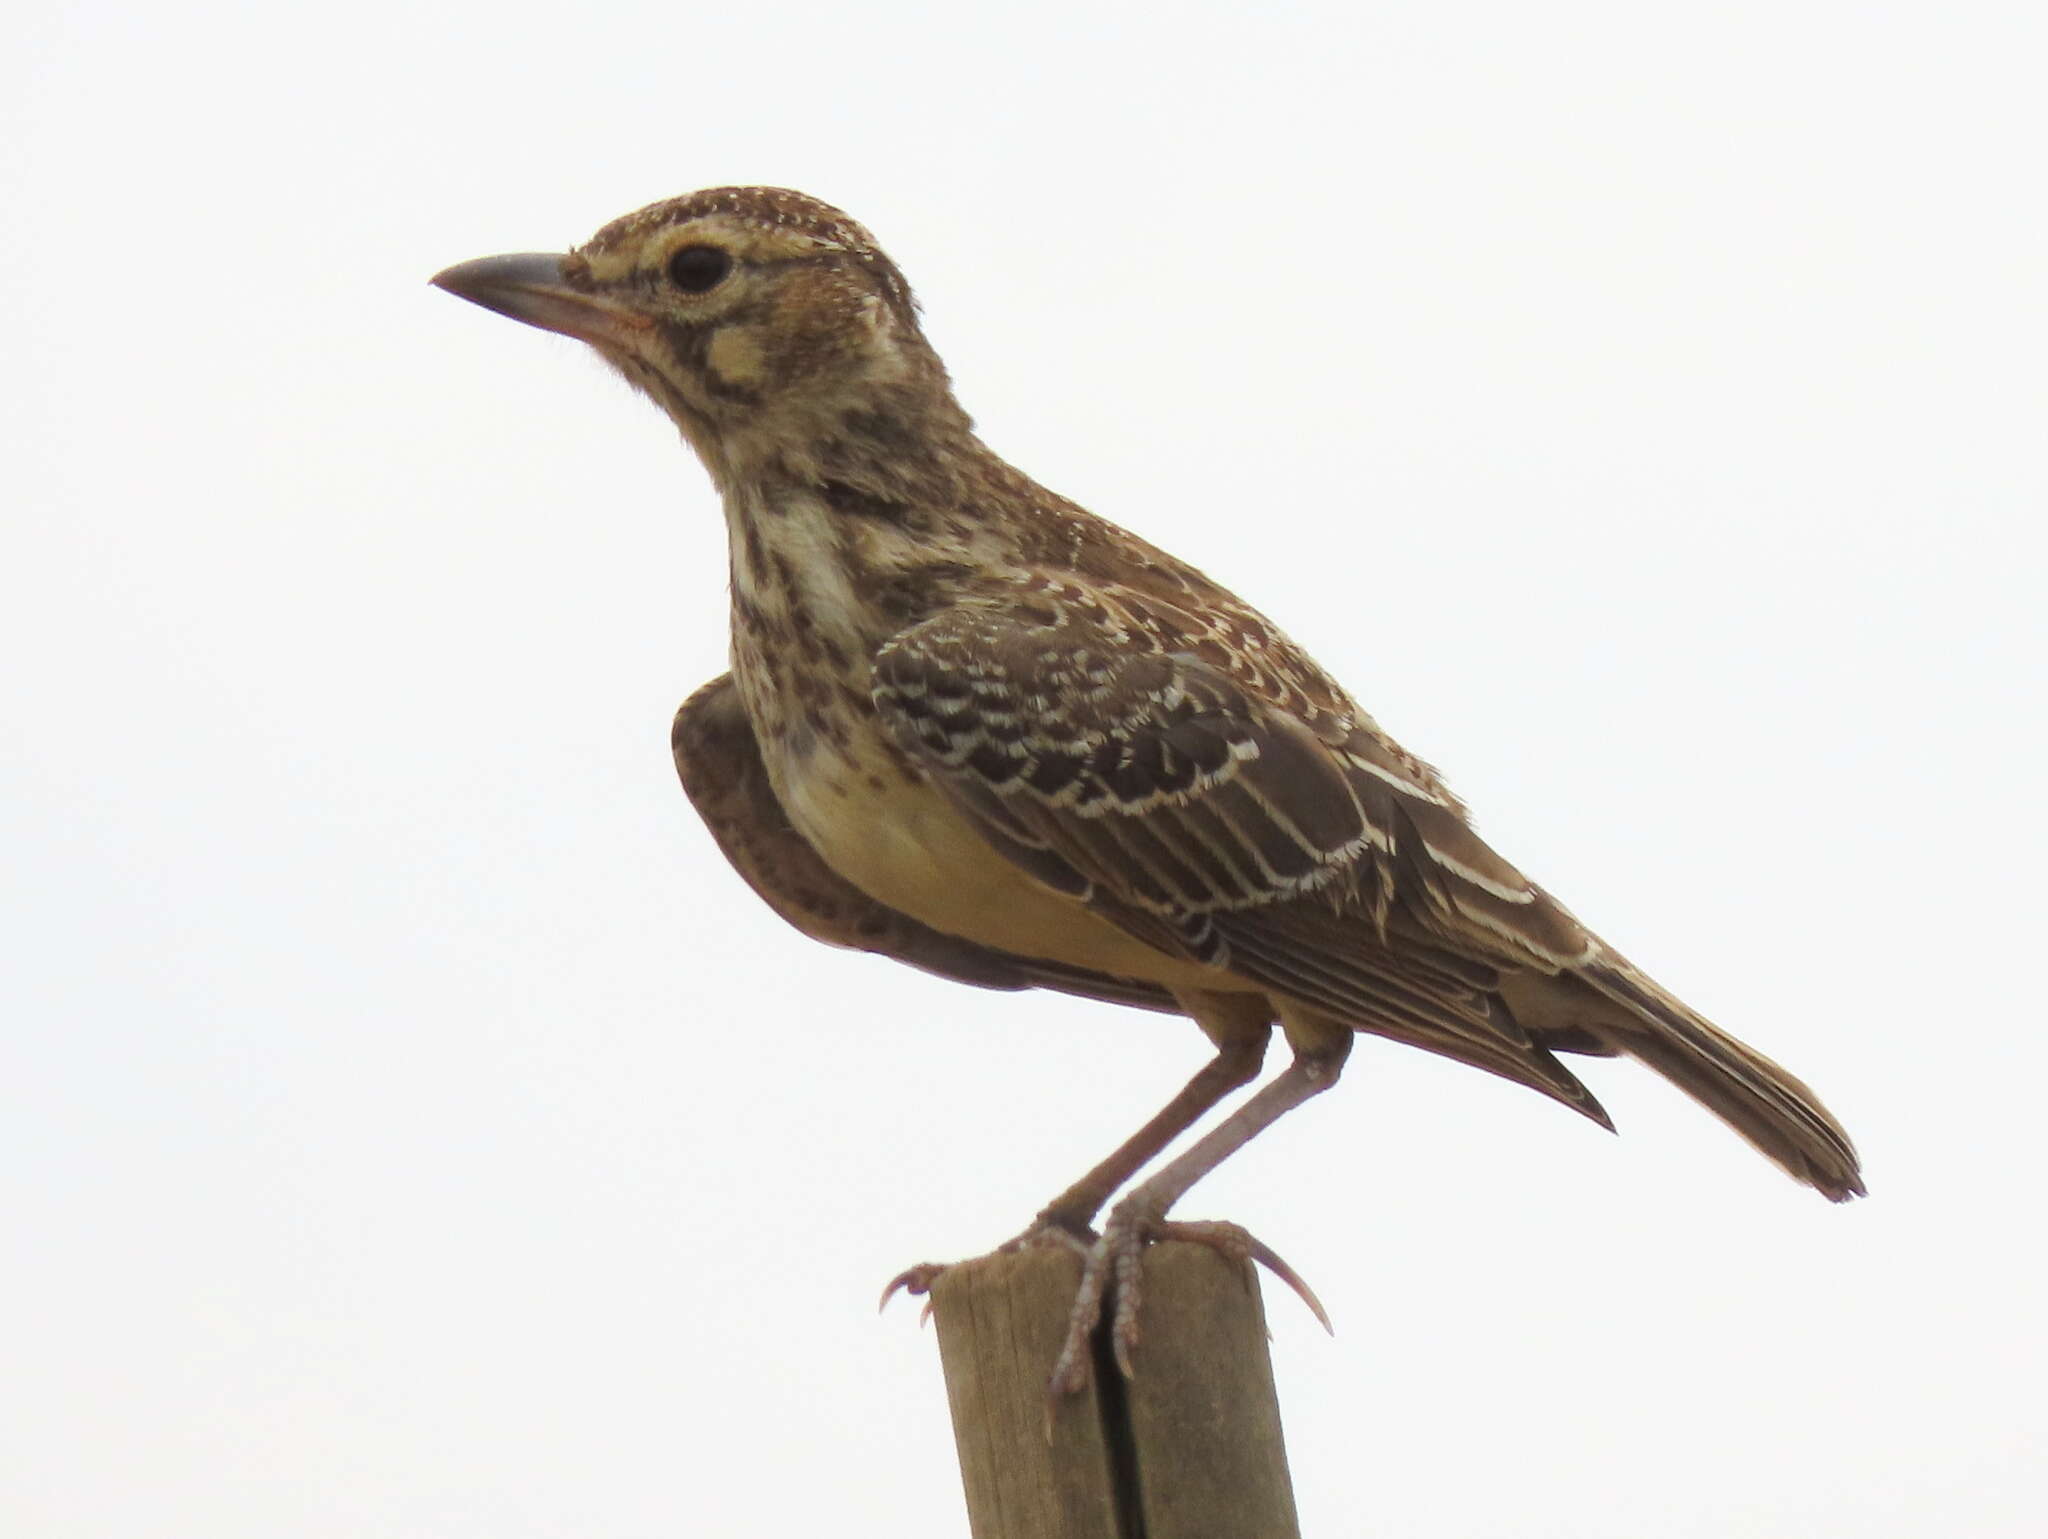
(1188, 1449)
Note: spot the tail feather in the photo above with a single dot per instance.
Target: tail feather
(1769, 1107)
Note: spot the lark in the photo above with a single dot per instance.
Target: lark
(974, 727)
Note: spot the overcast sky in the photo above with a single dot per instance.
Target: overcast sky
(408, 1124)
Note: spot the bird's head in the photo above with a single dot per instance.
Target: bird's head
(753, 315)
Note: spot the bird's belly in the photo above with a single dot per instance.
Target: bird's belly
(903, 843)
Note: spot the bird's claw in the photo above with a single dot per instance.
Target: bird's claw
(1240, 1244)
(918, 1280)
(1111, 1269)
(1112, 1266)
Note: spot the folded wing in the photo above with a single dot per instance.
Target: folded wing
(1224, 829)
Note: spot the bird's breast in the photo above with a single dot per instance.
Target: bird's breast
(803, 633)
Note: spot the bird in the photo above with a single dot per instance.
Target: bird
(973, 727)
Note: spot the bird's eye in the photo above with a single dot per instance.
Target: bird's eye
(698, 269)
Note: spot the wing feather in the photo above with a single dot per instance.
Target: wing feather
(1160, 781)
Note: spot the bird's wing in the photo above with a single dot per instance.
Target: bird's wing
(719, 761)
(1220, 827)
(1237, 810)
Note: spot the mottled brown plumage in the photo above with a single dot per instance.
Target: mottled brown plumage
(971, 726)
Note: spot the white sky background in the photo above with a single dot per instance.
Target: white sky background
(409, 1126)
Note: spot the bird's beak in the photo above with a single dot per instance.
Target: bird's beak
(530, 287)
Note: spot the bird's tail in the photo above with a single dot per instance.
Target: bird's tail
(1766, 1105)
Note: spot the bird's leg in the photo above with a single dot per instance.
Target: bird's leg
(1239, 1025)
(1141, 1217)
(1240, 1049)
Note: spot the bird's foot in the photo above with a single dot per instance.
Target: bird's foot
(1111, 1271)
(917, 1280)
